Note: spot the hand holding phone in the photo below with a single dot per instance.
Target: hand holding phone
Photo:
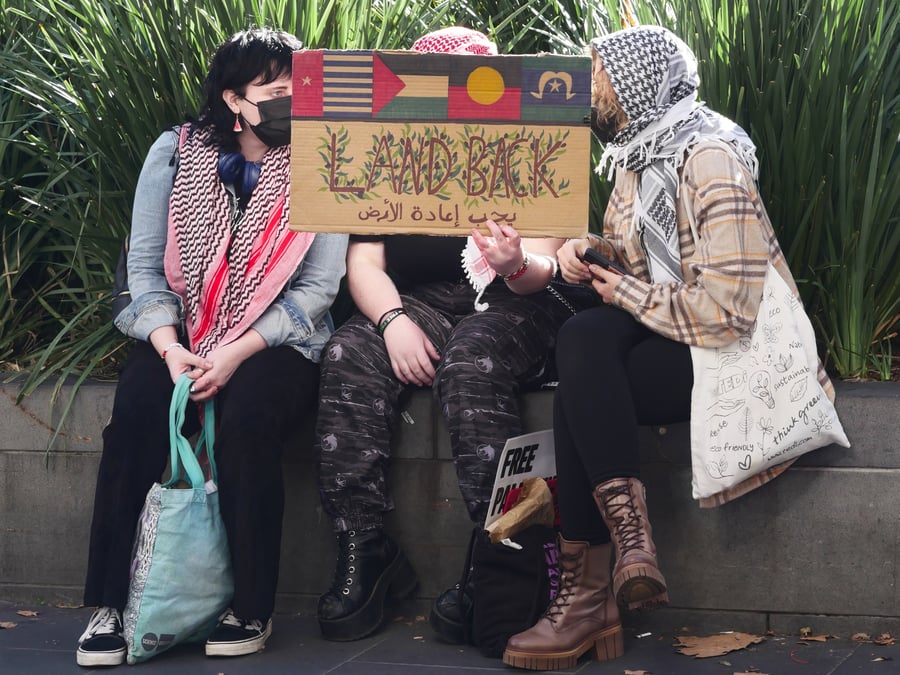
(594, 257)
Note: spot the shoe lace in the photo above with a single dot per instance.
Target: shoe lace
(570, 571)
(618, 502)
(104, 621)
(344, 569)
(230, 619)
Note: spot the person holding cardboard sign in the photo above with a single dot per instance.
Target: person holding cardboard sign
(421, 324)
(224, 291)
(686, 222)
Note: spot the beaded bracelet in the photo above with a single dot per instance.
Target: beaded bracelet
(167, 348)
(519, 272)
(387, 317)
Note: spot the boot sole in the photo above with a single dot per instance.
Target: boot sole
(449, 631)
(398, 581)
(640, 587)
(605, 645)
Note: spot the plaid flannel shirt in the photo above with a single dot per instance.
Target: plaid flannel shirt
(726, 241)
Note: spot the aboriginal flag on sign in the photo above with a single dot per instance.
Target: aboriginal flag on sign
(408, 86)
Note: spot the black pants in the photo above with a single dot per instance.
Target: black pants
(614, 376)
(485, 358)
(256, 413)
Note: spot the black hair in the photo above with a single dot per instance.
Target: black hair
(262, 54)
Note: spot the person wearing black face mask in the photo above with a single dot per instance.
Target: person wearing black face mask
(274, 128)
(607, 116)
(603, 127)
(224, 291)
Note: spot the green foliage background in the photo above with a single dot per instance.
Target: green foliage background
(86, 85)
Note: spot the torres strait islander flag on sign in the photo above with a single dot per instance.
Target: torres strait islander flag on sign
(478, 135)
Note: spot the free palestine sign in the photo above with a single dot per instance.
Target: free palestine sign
(386, 142)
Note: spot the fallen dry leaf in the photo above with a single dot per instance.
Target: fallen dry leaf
(715, 645)
(636, 672)
(26, 612)
(750, 672)
(7, 624)
(814, 638)
(883, 639)
(806, 630)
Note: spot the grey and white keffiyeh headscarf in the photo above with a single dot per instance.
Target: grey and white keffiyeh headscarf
(654, 75)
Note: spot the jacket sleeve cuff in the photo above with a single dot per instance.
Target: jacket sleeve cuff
(278, 326)
(630, 292)
(145, 315)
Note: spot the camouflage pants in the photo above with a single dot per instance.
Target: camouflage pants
(485, 358)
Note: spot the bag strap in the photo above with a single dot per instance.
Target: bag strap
(468, 577)
(182, 455)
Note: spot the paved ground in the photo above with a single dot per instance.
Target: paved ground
(45, 645)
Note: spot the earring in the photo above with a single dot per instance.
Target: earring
(237, 124)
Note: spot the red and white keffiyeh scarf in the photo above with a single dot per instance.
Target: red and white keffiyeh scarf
(227, 268)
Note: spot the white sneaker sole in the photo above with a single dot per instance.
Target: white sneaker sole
(249, 646)
(86, 658)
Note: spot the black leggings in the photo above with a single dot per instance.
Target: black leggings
(614, 376)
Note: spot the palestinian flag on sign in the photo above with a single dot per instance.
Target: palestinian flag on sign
(408, 86)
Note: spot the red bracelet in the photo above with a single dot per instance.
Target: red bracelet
(168, 348)
(519, 272)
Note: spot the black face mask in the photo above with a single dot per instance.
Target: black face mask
(604, 128)
(274, 128)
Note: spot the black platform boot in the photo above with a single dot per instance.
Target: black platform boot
(370, 567)
(451, 613)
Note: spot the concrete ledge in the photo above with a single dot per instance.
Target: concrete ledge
(819, 546)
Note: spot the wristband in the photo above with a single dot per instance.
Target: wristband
(519, 272)
(168, 348)
(378, 323)
(389, 316)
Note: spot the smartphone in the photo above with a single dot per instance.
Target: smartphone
(594, 257)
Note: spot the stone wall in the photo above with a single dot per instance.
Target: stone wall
(820, 545)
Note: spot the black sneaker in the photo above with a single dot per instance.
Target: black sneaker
(370, 568)
(236, 637)
(103, 642)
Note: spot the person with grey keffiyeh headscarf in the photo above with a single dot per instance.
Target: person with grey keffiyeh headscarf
(686, 224)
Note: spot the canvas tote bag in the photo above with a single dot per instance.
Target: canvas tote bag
(181, 577)
(757, 402)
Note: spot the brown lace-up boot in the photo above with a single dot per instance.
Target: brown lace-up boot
(637, 581)
(582, 617)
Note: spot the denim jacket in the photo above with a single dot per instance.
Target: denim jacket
(298, 318)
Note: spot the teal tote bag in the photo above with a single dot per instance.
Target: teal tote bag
(181, 577)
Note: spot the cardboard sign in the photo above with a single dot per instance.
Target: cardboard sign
(387, 142)
(527, 456)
